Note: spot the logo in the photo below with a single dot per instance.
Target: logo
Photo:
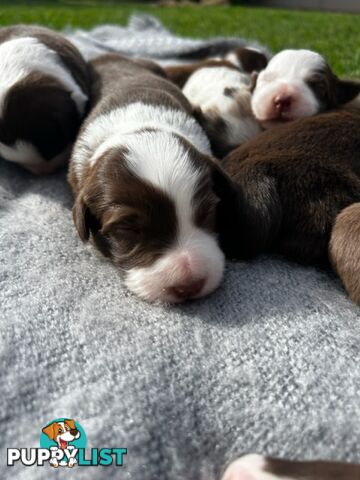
(63, 444)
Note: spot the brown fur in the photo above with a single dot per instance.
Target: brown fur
(39, 109)
(179, 74)
(53, 429)
(292, 182)
(128, 219)
(250, 60)
(344, 249)
(68, 53)
(131, 221)
(330, 90)
(315, 470)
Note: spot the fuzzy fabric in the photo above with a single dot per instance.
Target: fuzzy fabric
(269, 363)
(145, 36)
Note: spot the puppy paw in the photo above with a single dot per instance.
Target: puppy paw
(249, 467)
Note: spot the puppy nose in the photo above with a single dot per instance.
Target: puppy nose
(187, 290)
(74, 432)
(282, 102)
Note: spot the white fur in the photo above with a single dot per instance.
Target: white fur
(250, 467)
(205, 89)
(110, 130)
(286, 73)
(25, 154)
(66, 436)
(21, 56)
(206, 85)
(161, 159)
(194, 255)
(21, 152)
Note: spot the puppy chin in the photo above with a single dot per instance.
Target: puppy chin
(199, 260)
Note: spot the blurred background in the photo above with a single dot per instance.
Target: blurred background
(331, 27)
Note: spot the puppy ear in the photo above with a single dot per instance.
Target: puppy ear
(251, 60)
(79, 212)
(70, 423)
(50, 431)
(253, 80)
(346, 90)
(84, 220)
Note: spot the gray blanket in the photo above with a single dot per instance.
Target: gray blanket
(269, 363)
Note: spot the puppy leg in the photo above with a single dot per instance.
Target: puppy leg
(249, 467)
(344, 249)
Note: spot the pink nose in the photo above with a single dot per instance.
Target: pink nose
(187, 290)
(282, 102)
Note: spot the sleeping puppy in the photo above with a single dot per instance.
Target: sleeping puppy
(259, 467)
(292, 183)
(297, 84)
(220, 92)
(344, 249)
(146, 187)
(44, 91)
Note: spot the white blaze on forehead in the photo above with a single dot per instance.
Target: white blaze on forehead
(21, 56)
(163, 160)
(112, 129)
(292, 63)
(160, 157)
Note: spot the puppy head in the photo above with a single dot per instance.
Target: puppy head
(65, 431)
(230, 123)
(344, 249)
(150, 204)
(296, 84)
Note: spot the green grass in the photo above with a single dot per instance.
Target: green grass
(337, 36)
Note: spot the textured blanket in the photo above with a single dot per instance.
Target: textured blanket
(145, 36)
(269, 363)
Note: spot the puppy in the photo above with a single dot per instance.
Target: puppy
(297, 84)
(344, 249)
(44, 91)
(62, 433)
(145, 184)
(292, 183)
(220, 92)
(259, 467)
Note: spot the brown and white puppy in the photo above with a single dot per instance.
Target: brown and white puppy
(145, 183)
(292, 183)
(259, 467)
(297, 84)
(220, 92)
(44, 91)
(344, 249)
(62, 433)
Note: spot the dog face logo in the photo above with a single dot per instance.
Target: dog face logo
(62, 432)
